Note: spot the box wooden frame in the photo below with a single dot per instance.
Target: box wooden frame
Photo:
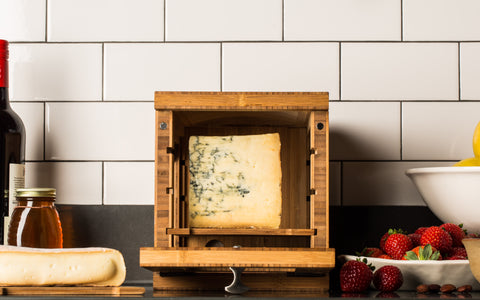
(275, 259)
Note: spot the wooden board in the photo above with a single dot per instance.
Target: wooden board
(240, 231)
(241, 100)
(71, 290)
(244, 257)
(256, 282)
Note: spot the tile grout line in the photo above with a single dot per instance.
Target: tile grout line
(103, 183)
(46, 21)
(459, 74)
(401, 21)
(221, 67)
(164, 21)
(340, 71)
(44, 130)
(283, 20)
(401, 130)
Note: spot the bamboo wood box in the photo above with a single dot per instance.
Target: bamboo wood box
(294, 257)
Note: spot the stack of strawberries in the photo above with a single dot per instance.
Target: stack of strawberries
(445, 243)
(442, 242)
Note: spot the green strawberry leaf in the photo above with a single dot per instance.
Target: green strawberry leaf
(410, 255)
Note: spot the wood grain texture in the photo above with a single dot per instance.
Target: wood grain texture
(319, 175)
(163, 178)
(266, 282)
(241, 100)
(243, 257)
(70, 290)
(302, 242)
(240, 231)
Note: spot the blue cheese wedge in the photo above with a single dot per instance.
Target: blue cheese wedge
(235, 181)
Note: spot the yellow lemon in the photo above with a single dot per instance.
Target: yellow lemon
(476, 141)
(469, 162)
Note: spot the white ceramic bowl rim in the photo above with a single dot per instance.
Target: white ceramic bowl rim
(443, 170)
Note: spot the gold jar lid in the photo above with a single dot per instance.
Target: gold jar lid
(36, 192)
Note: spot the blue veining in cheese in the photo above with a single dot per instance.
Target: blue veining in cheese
(235, 181)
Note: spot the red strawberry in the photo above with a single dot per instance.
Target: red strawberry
(421, 230)
(415, 237)
(438, 238)
(388, 278)
(384, 237)
(426, 252)
(457, 253)
(397, 245)
(456, 257)
(385, 256)
(473, 235)
(456, 232)
(371, 252)
(355, 276)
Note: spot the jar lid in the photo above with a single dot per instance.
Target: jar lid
(37, 192)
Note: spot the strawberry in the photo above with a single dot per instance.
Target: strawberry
(388, 278)
(426, 252)
(473, 235)
(355, 276)
(415, 237)
(456, 232)
(421, 230)
(438, 238)
(384, 237)
(456, 257)
(371, 252)
(397, 245)
(385, 256)
(457, 253)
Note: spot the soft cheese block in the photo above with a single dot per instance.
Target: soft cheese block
(235, 181)
(22, 266)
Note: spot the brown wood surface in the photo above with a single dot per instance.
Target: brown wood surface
(240, 231)
(163, 179)
(71, 290)
(302, 240)
(241, 100)
(244, 257)
(319, 175)
(255, 281)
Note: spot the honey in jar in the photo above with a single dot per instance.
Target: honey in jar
(35, 221)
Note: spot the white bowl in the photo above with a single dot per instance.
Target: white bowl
(416, 272)
(451, 193)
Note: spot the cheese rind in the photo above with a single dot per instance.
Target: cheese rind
(235, 181)
(22, 266)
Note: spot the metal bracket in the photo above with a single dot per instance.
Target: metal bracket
(237, 287)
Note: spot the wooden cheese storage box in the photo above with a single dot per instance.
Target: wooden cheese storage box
(186, 258)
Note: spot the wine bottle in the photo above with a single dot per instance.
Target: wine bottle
(12, 147)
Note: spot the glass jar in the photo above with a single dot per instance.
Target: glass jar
(35, 221)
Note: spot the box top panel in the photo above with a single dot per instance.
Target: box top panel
(251, 101)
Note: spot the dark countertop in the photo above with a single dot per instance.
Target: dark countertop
(150, 294)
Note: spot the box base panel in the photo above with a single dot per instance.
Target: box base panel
(263, 283)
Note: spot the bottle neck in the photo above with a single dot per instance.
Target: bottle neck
(4, 102)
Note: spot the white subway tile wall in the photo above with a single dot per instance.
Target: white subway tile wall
(226, 20)
(333, 20)
(159, 67)
(106, 20)
(402, 76)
